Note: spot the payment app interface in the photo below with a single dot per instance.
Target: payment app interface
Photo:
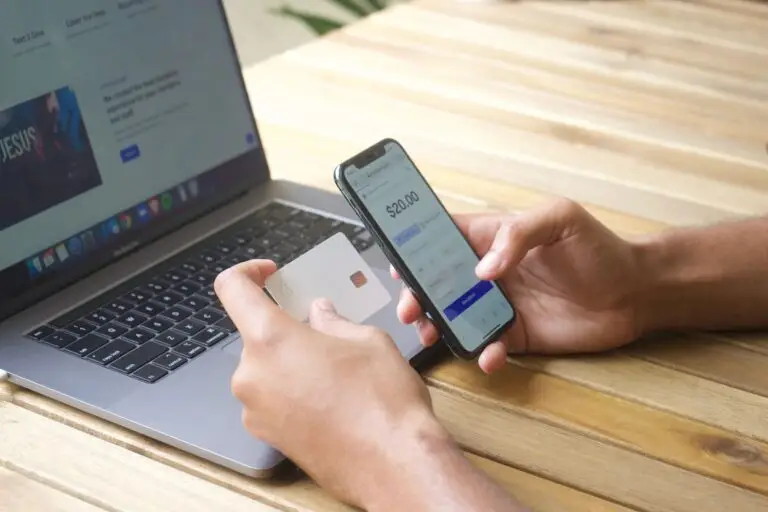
(430, 245)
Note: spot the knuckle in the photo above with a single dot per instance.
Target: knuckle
(567, 208)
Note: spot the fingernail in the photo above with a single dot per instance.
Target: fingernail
(490, 263)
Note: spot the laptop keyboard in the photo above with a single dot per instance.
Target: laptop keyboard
(158, 321)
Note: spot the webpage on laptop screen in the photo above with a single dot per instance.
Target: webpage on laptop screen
(104, 103)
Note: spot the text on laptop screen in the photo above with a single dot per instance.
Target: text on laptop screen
(108, 112)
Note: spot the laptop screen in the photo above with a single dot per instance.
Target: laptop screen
(117, 119)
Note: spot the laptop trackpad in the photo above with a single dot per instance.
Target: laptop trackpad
(233, 346)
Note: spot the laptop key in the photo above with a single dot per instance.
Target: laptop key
(150, 373)
(132, 319)
(189, 349)
(136, 297)
(158, 285)
(101, 317)
(169, 298)
(190, 327)
(237, 258)
(176, 276)
(171, 338)
(150, 308)
(118, 307)
(242, 238)
(187, 288)
(158, 324)
(41, 332)
(253, 251)
(219, 267)
(80, 327)
(176, 314)
(111, 351)
(227, 324)
(195, 303)
(59, 339)
(139, 335)
(208, 316)
(191, 267)
(139, 357)
(111, 331)
(210, 336)
(225, 249)
(209, 293)
(85, 346)
(170, 361)
(209, 257)
(204, 278)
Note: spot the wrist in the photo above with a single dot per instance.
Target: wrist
(410, 456)
(675, 271)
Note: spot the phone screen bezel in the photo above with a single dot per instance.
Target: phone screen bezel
(366, 157)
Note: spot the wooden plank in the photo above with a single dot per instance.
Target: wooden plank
(574, 24)
(301, 494)
(442, 25)
(19, 493)
(747, 8)
(657, 17)
(541, 494)
(547, 115)
(708, 358)
(702, 400)
(462, 190)
(588, 174)
(585, 463)
(657, 434)
(448, 58)
(103, 474)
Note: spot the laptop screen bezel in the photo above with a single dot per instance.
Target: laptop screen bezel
(233, 178)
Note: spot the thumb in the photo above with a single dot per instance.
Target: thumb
(544, 225)
(324, 318)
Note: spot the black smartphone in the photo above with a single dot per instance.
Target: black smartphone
(426, 247)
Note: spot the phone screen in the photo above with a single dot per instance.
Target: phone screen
(438, 257)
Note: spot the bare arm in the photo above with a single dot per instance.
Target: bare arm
(427, 471)
(712, 278)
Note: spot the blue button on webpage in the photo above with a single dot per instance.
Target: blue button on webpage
(464, 302)
(130, 153)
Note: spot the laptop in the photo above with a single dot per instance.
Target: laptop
(132, 173)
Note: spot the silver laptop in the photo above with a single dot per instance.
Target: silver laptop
(131, 173)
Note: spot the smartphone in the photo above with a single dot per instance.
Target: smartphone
(426, 247)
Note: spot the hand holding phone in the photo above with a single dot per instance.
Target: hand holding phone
(420, 239)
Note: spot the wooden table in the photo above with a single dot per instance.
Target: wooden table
(651, 113)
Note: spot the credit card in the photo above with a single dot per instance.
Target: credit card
(333, 270)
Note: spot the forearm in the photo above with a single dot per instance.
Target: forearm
(705, 278)
(430, 473)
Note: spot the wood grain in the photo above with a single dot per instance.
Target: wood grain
(19, 493)
(294, 492)
(708, 357)
(104, 474)
(697, 398)
(584, 462)
(664, 436)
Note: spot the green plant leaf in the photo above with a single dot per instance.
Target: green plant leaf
(319, 24)
(377, 5)
(353, 7)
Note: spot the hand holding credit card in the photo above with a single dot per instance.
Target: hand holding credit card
(333, 270)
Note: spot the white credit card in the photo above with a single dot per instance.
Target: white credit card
(333, 270)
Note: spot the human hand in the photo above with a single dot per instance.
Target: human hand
(569, 277)
(335, 397)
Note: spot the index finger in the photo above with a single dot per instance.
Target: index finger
(240, 289)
